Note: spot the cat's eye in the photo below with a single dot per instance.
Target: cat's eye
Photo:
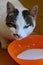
(11, 25)
(26, 26)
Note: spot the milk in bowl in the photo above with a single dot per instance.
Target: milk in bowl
(31, 54)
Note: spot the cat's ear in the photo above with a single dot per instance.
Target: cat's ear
(10, 8)
(34, 11)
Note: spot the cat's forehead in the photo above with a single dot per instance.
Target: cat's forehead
(21, 9)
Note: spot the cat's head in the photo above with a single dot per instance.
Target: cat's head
(21, 21)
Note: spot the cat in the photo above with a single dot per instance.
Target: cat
(16, 21)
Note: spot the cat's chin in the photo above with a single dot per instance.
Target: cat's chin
(18, 38)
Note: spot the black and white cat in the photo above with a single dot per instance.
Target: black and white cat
(16, 21)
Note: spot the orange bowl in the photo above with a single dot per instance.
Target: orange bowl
(19, 46)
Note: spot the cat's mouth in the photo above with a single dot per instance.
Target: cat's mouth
(17, 37)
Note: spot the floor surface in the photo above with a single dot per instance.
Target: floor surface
(5, 58)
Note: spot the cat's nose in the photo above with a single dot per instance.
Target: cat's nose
(16, 35)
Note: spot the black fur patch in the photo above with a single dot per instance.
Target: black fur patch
(11, 18)
(27, 18)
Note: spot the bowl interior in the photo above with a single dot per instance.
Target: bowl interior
(32, 45)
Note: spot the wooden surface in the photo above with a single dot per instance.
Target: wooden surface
(5, 58)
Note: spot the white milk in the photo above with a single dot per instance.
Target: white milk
(31, 54)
